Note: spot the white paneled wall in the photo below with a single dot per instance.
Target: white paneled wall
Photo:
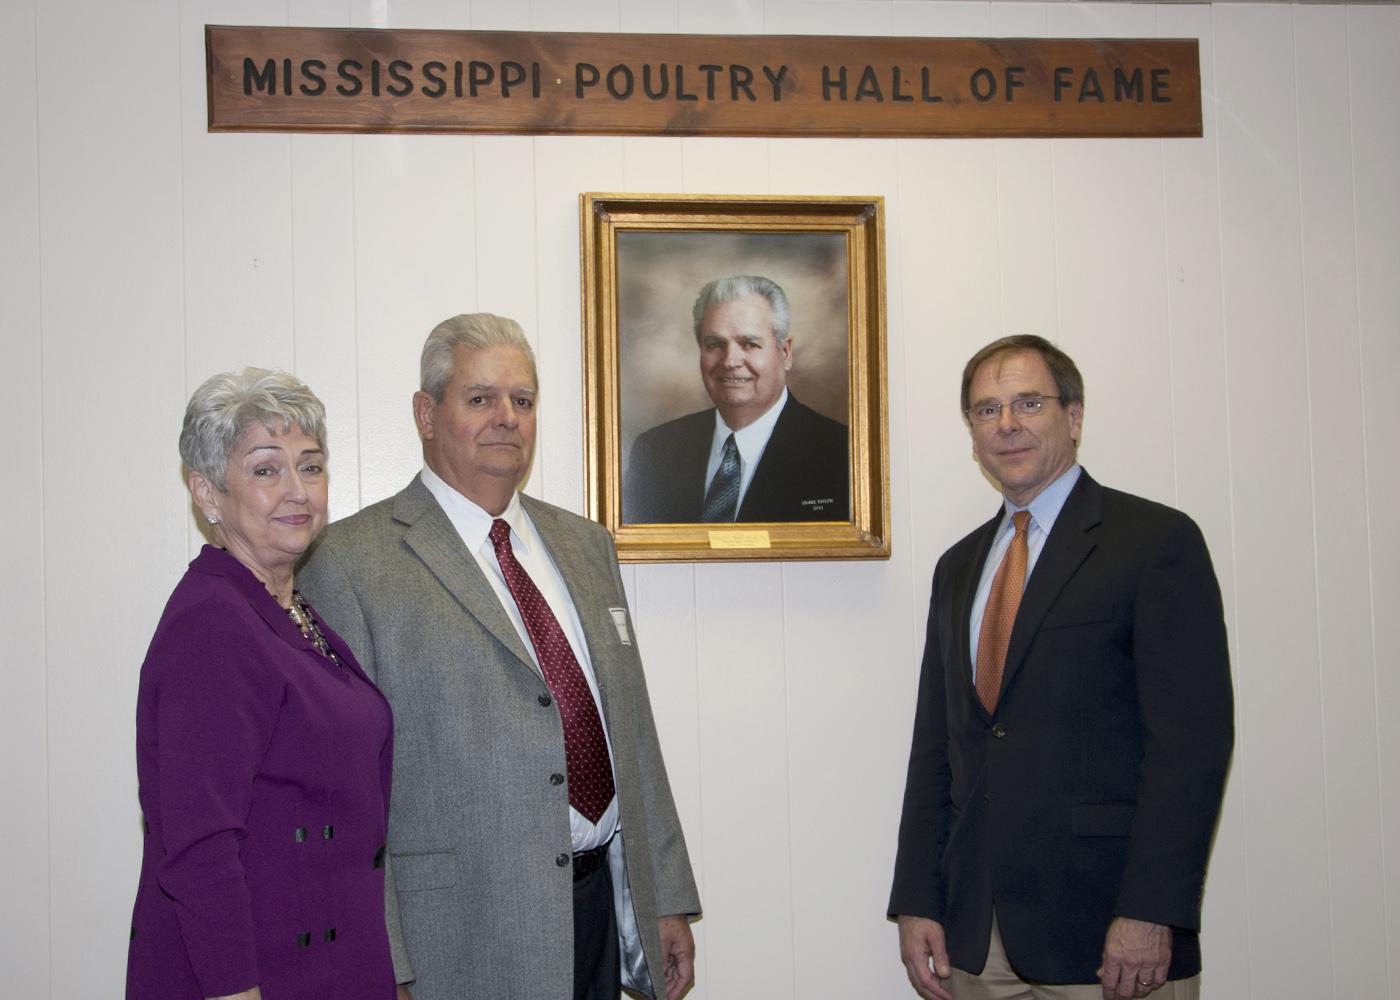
(1234, 302)
(24, 728)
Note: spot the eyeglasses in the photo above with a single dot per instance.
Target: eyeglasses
(1022, 406)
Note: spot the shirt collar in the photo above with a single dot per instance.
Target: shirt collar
(751, 439)
(472, 521)
(1045, 508)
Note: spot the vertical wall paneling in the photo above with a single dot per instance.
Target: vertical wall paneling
(664, 599)
(499, 15)
(1373, 38)
(115, 513)
(744, 793)
(958, 18)
(724, 17)
(826, 17)
(1233, 301)
(504, 228)
(24, 825)
(415, 252)
(848, 654)
(726, 166)
(648, 16)
(1347, 663)
(742, 686)
(415, 260)
(325, 335)
(574, 15)
(1026, 207)
(564, 167)
(1201, 452)
(1276, 665)
(325, 338)
(236, 202)
(664, 613)
(323, 278)
(947, 251)
(946, 246)
(1111, 273)
(652, 164)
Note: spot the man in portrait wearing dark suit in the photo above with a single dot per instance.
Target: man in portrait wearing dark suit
(1074, 722)
(534, 848)
(758, 454)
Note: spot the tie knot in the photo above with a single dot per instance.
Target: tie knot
(500, 532)
(1022, 520)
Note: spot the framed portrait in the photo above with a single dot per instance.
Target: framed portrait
(734, 376)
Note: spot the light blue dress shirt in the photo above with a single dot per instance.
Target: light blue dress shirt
(1045, 508)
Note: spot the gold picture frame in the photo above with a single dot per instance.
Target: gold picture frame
(645, 259)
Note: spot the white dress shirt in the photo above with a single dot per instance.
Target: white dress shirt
(750, 441)
(1045, 508)
(473, 524)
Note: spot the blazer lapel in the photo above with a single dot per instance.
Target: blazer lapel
(784, 445)
(690, 465)
(431, 537)
(1061, 556)
(218, 562)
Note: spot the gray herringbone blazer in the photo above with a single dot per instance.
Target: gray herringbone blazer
(480, 899)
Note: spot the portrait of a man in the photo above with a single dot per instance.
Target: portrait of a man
(755, 450)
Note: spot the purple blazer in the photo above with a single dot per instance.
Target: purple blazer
(264, 772)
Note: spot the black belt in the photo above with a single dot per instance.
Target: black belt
(588, 862)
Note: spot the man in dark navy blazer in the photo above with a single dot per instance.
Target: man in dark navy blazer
(1056, 826)
(759, 454)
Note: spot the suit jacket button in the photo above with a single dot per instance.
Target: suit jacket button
(556, 778)
(562, 860)
(544, 700)
(998, 730)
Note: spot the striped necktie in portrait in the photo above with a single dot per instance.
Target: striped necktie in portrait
(722, 498)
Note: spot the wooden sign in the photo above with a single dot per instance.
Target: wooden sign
(400, 80)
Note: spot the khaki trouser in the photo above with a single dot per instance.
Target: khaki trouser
(999, 982)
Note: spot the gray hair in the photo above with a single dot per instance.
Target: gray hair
(1069, 384)
(475, 332)
(227, 404)
(737, 286)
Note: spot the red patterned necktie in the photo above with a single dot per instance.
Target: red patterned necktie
(585, 747)
(1000, 614)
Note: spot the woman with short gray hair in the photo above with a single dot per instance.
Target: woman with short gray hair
(262, 749)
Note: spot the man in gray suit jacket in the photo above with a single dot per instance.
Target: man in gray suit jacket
(534, 853)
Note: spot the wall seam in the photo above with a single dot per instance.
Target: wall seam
(1368, 515)
(1172, 386)
(1312, 495)
(355, 323)
(352, 148)
(43, 515)
(1241, 735)
(699, 745)
(787, 773)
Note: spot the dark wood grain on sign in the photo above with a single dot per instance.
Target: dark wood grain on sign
(401, 80)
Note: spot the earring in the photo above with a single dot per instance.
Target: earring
(211, 519)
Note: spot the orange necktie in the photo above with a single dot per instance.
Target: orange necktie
(1000, 614)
